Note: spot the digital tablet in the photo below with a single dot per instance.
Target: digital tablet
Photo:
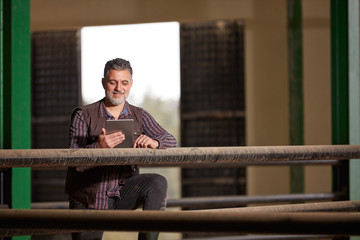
(126, 126)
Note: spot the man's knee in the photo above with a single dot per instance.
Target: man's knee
(159, 182)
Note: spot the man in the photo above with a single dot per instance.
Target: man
(116, 187)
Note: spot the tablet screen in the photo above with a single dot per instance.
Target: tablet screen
(126, 126)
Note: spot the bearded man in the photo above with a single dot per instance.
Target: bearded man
(115, 187)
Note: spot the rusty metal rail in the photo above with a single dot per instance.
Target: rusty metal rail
(267, 237)
(337, 206)
(25, 222)
(310, 218)
(182, 221)
(234, 201)
(219, 201)
(184, 157)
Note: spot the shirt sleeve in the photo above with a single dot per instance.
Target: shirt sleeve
(153, 130)
(79, 134)
(79, 131)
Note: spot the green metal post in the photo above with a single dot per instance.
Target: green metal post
(354, 95)
(16, 89)
(296, 89)
(339, 88)
(1, 75)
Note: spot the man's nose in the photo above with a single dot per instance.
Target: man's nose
(118, 87)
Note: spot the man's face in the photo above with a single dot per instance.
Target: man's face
(117, 86)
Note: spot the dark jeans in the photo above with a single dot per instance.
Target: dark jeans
(146, 190)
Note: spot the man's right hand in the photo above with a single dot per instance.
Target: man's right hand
(110, 140)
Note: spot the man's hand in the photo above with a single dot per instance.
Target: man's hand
(110, 140)
(144, 141)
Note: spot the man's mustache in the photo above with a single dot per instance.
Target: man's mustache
(115, 91)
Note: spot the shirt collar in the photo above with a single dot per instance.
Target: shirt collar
(104, 113)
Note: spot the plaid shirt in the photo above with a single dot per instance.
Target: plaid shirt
(110, 185)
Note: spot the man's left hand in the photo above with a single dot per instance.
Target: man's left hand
(144, 141)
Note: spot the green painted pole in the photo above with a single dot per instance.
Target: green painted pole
(1, 77)
(339, 88)
(354, 96)
(296, 108)
(16, 90)
(354, 93)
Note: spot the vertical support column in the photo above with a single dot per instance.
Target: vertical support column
(296, 89)
(1, 75)
(2, 174)
(339, 88)
(354, 94)
(15, 98)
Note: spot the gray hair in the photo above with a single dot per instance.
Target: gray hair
(117, 64)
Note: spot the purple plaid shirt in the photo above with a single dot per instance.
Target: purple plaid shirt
(110, 186)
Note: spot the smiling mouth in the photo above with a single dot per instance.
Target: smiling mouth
(117, 93)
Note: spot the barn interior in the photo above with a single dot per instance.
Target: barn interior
(251, 73)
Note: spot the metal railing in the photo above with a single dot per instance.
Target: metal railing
(337, 218)
(183, 157)
(264, 220)
(220, 201)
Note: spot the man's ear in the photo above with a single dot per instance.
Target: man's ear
(103, 80)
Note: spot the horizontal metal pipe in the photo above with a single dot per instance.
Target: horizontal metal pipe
(265, 237)
(36, 232)
(182, 221)
(343, 206)
(184, 157)
(337, 206)
(232, 201)
(219, 202)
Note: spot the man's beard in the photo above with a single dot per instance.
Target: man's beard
(115, 101)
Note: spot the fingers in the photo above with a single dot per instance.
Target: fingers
(141, 142)
(110, 140)
(144, 141)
